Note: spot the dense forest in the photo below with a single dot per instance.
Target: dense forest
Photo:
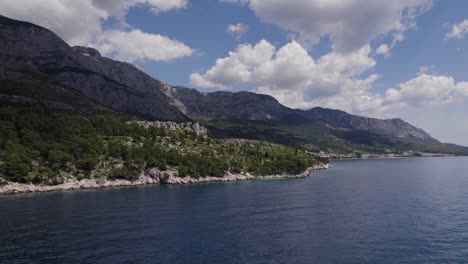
(47, 147)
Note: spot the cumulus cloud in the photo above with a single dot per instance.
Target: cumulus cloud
(458, 30)
(79, 23)
(238, 29)
(426, 90)
(120, 8)
(74, 21)
(383, 49)
(335, 80)
(137, 45)
(236, 68)
(351, 24)
(292, 76)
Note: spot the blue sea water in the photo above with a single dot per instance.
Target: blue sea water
(361, 211)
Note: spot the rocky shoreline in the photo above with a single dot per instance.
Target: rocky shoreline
(152, 176)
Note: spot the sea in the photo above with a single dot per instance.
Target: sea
(408, 210)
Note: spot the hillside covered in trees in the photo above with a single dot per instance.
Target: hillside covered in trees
(44, 146)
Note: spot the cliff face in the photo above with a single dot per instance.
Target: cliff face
(117, 85)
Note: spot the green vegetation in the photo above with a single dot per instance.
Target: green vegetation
(45, 146)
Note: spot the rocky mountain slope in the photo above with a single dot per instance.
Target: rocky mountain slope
(252, 106)
(241, 105)
(30, 52)
(117, 85)
(393, 127)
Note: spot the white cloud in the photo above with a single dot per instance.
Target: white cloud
(238, 29)
(350, 23)
(423, 69)
(74, 21)
(423, 90)
(461, 91)
(243, 2)
(292, 76)
(426, 90)
(120, 8)
(426, 70)
(137, 45)
(383, 49)
(458, 30)
(236, 68)
(335, 80)
(79, 23)
(166, 5)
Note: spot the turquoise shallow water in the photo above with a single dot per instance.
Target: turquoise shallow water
(370, 211)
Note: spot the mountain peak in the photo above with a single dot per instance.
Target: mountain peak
(87, 51)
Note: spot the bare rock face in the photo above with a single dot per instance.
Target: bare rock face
(187, 126)
(243, 141)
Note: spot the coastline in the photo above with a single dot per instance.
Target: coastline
(149, 177)
(385, 156)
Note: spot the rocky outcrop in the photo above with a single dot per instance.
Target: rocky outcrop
(150, 176)
(187, 126)
(174, 179)
(243, 141)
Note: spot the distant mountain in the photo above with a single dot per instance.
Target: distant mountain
(80, 78)
(392, 127)
(252, 106)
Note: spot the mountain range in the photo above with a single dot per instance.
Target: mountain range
(38, 67)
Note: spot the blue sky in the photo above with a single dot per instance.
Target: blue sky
(202, 26)
(401, 58)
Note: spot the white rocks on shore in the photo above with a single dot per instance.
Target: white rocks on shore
(152, 176)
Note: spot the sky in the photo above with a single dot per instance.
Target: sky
(377, 58)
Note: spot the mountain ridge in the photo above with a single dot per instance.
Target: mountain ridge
(122, 87)
(96, 77)
(268, 108)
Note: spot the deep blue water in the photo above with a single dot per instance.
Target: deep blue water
(377, 211)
